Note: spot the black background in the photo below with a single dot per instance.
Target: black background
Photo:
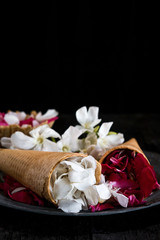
(64, 55)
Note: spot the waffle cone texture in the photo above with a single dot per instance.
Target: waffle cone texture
(34, 169)
(7, 131)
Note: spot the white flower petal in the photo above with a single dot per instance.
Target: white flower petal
(35, 123)
(89, 162)
(72, 165)
(49, 132)
(36, 132)
(82, 115)
(97, 194)
(62, 187)
(96, 151)
(11, 119)
(88, 119)
(93, 116)
(70, 139)
(115, 139)
(51, 113)
(18, 189)
(91, 195)
(104, 129)
(21, 115)
(89, 180)
(22, 141)
(49, 146)
(122, 199)
(38, 147)
(77, 177)
(103, 192)
(110, 141)
(6, 142)
(70, 206)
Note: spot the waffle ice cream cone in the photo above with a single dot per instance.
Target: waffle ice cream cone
(132, 144)
(34, 169)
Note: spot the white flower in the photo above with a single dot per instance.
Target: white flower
(71, 178)
(87, 119)
(36, 141)
(69, 141)
(51, 113)
(106, 140)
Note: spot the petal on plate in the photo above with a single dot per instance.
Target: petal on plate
(22, 141)
(97, 194)
(121, 199)
(103, 192)
(72, 206)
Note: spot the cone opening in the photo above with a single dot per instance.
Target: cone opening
(69, 177)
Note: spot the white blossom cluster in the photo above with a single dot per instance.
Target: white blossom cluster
(86, 137)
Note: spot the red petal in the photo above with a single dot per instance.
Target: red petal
(101, 207)
(25, 196)
(145, 175)
(27, 121)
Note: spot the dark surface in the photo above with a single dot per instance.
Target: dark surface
(144, 224)
(67, 55)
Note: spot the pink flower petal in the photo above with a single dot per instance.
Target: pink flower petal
(52, 119)
(17, 192)
(131, 174)
(145, 175)
(27, 121)
(101, 207)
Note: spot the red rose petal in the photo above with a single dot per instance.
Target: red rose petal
(9, 186)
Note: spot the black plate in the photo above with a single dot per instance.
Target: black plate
(151, 201)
